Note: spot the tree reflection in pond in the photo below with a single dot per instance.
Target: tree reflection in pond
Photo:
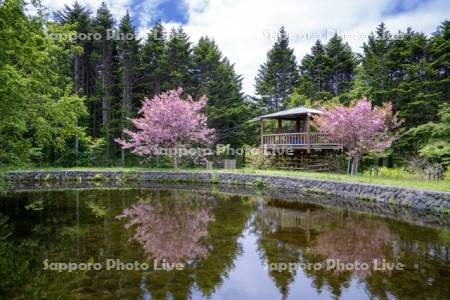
(224, 241)
(360, 240)
(290, 232)
(171, 230)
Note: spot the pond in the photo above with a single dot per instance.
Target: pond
(193, 244)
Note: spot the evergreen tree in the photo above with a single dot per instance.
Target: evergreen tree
(103, 59)
(328, 71)
(278, 76)
(179, 61)
(342, 65)
(82, 70)
(440, 47)
(79, 17)
(215, 77)
(400, 70)
(375, 65)
(412, 86)
(315, 73)
(410, 71)
(128, 48)
(153, 57)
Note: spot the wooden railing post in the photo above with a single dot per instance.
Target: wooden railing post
(304, 140)
(262, 133)
(308, 146)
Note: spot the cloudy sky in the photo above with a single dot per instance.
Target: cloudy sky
(246, 29)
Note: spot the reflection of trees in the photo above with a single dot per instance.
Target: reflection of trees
(208, 273)
(282, 238)
(358, 240)
(64, 230)
(427, 273)
(273, 250)
(364, 239)
(293, 233)
(7, 266)
(67, 223)
(172, 230)
(231, 216)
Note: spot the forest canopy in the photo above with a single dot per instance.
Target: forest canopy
(64, 101)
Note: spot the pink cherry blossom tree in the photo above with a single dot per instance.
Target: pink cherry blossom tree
(168, 121)
(361, 128)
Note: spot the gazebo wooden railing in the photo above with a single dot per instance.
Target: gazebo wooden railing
(313, 140)
(304, 136)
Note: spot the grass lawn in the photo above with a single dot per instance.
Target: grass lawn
(421, 183)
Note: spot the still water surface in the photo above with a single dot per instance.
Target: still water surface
(230, 247)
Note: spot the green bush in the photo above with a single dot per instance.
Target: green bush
(254, 158)
(393, 173)
(447, 173)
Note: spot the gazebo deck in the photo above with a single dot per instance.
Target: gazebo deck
(300, 140)
(304, 137)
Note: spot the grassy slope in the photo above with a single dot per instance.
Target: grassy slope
(443, 185)
(412, 183)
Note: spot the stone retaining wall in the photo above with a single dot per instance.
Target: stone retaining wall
(398, 196)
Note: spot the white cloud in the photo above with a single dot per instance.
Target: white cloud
(118, 8)
(241, 27)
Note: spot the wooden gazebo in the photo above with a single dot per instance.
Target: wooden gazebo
(301, 136)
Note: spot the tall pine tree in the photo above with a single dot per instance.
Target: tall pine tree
(440, 47)
(128, 48)
(375, 64)
(278, 76)
(315, 73)
(82, 70)
(342, 65)
(79, 16)
(408, 71)
(328, 71)
(215, 77)
(153, 58)
(400, 70)
(179, 61)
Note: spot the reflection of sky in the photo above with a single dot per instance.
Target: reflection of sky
(250, 280)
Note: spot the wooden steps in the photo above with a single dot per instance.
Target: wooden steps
(305, 162)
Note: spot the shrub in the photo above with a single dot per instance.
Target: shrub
(254, 158)
(447, 173)
(393, 173)
(417, 164)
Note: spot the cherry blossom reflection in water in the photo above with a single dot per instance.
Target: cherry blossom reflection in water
(169, 231)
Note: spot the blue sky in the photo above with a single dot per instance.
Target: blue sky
(246, 29)
(402, 6)
(167, 10)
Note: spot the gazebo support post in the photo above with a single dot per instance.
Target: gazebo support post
(262, 133)
(297, 125)
(308, 145)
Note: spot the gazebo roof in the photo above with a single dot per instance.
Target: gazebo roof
(291, 113)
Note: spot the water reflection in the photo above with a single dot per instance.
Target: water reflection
(360, 241)
(170, 230)
(299, 233)
(227, 242)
